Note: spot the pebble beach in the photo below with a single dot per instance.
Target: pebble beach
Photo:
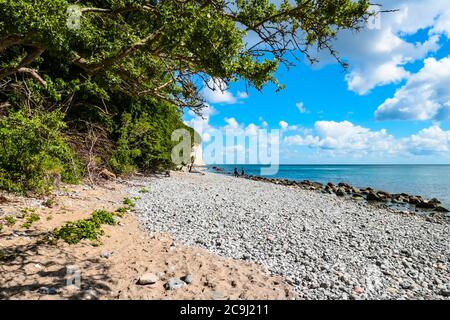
(325, 246)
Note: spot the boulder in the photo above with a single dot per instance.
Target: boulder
(341, 192)
(372, 196)
(441, 209)
(414, 200)
(435, 201)
(174, 284)
(425, 205)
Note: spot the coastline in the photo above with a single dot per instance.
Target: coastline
(237, 238)
(403, 202)
(326, 247)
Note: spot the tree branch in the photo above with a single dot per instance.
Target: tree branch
(93, 68)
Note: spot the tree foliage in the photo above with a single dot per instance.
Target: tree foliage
(131, 66)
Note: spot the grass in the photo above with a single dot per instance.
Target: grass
(144, 190)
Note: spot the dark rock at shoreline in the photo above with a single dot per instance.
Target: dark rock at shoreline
(372, 196)
(414, 200)
(369, 194)
(426, 205)
(441, 209)
(341, 192)
(435, 201)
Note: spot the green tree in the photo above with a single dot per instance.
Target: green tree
(163, 49)
(129, 67)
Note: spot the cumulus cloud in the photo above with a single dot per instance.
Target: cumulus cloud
(216, 92)
(425, 96)
(379, 56)
(283, 124)
(429, 141)
(344, 136)
(348, 138)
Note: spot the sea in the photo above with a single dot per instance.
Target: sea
(429, 181)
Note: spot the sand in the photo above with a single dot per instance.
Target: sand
(111, 269)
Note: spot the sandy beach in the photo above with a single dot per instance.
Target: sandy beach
(126, 253)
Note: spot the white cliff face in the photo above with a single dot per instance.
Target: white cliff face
(197, 152)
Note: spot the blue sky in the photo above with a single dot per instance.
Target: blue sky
(391, 106)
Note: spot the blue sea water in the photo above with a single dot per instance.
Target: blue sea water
(429, 181)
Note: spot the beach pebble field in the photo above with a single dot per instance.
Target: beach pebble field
(326, 247)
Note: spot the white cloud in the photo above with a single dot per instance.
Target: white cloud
(348, 138)
(231, 123)
(283, 124)
(426, 95)
(242, 95)
(216, 92)
(429, 141)
(301, 107)
(379, 56)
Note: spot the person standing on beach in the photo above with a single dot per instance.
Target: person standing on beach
(242, 172)
(236, 173)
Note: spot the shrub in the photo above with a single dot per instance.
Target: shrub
(49, 203)
(90, 229)
(34, 153)
(103, 217)
(74, 232)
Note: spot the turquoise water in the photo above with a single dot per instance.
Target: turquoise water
(430, 181)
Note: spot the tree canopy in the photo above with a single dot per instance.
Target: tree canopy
(163, 48)
(116, 75)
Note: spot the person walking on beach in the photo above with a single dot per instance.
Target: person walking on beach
(236, 173)
(242, 172)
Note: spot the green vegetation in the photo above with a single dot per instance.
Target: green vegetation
(144, 190)
(103, 217)
(49, 203)
(88, 85)
(10, 221)
(34, 153)
(30, 218)
(90, 229)
(129, 202)
(74, 232)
